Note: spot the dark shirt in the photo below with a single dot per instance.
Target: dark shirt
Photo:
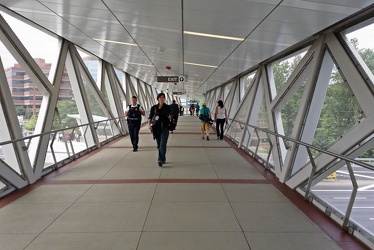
(174, 109)
(163, 113)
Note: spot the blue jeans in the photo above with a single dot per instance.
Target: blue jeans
(162, 140)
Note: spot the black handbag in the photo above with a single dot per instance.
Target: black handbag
(203, 117)
(172, 124)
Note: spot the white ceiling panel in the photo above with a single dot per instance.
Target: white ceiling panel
(157, 28)
(333, 5)
(320, 19)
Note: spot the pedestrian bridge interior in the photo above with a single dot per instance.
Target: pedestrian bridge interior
(294, 171)
(208, 195)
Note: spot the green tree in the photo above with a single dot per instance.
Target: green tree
(66, 107)
(20, 110)
(30, 124)
(282, 72)
(94, 106)
(247, 82)
(340, 109)
(368, 56)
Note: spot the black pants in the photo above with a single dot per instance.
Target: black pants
(175, 117)
(219, 127)
(134, 127)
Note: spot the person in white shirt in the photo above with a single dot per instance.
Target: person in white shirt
(220, 115)
(134, 114)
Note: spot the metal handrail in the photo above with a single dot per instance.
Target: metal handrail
(56, 131)
(307, 145)
(347, 225)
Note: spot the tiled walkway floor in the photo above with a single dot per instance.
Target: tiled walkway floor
(207, 196)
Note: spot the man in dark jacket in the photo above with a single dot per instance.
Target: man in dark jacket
(174, 110)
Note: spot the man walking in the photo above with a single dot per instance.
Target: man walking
(174, 110)
(197, 108)
(134, 114)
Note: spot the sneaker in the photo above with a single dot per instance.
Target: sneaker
(207, 138)
(160, 163)
(202, 137)
(217, 137)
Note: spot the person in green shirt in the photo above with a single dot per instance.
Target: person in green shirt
(205, 123)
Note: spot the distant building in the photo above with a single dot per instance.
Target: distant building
(24, 91)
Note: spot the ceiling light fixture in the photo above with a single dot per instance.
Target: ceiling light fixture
(110, 41)
(213, 36)
(203, 65)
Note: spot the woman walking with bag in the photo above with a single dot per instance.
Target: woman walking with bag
(160, 115)
(221, 117)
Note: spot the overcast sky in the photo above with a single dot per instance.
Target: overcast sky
(38, 43)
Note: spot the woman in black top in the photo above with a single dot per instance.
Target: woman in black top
(160, 114)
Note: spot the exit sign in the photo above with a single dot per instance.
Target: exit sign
(170, 78)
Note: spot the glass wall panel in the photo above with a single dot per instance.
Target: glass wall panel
(26, 99)
(335, 191)
(66, 117)
(227, 89)
(120, 75)
(39, 44)
(263, 140)
(7, 153)
(340, 112)
(361, 37)
(235, 131)
(92, 64)
(289, 111)
(6, 57)
(364, 204)
(246, 82)
(283, 69)
(134, 83)
(243, 111)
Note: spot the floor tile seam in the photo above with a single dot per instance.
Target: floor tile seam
(57, 217)
(235, 215)
(192, 231)
(140, 181)
(147, 215)
(114, 165)
(229, 203)
(92, 231)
